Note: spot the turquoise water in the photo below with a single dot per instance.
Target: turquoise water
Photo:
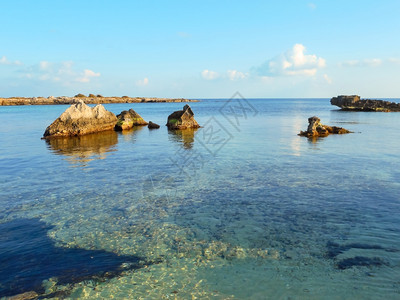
(242, 208)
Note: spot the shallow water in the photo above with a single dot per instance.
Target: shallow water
(241, 208)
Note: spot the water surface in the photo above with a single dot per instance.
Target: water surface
(242, 208)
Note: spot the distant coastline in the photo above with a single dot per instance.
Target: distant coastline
(91, 99)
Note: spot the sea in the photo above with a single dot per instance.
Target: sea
(242, 208)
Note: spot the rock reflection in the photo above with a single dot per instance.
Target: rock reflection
(185, 136)
(83, 149)
(130, 135)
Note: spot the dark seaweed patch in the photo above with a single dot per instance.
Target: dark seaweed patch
(359, 261)
(28, 256)
(335, 249)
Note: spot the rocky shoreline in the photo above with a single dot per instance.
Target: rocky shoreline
(355, 103)
(91, 99)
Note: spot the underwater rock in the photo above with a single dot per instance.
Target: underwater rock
(80, 119)
(182, 119)
(355, 103)
(28, 256)
(316, 129)
(153, 125)
(128, 119)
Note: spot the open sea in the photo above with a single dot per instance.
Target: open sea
(242, 208)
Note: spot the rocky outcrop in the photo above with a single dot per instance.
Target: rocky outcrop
(182, 119)
(80, 119)
(127, 119)
(91, 99)
(355, 103)
(316, 129)
(153, 125)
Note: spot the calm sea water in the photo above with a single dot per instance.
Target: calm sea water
(242, 208)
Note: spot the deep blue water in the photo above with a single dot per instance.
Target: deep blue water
(241, 208)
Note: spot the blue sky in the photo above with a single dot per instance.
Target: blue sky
(200, 49)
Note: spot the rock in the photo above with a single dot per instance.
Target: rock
(355, 103)
(182, 119)
(80, 119)
(153, 125)
(128, 119)
(316, 129)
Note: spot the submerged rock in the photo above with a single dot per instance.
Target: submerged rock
(182, 119)
(80, 119)
(128, 119)
(355, 103)
(153, 125)
(316, 129)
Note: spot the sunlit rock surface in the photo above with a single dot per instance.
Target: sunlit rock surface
(80, 119)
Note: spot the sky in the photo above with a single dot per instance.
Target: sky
(200, 49)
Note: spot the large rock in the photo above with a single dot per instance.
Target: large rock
(80, 119)
(182, 119)
(316, 129)
(128, 119)
(355, 103)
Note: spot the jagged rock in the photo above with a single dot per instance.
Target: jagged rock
(182, 119)
(355, 103)
(153, 125)
(128, 119)
(316, 129)
(80, 119)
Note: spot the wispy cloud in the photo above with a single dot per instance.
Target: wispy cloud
(58, 72)
(209, 75)
(87, 75)
(312, 6)
(374, 62)
(327, 79)
(143, 82)
(184, 35)
(236, 75)
(292, 63)
(5, 61)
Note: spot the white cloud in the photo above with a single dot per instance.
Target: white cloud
(143, 82)
(209, 75)
(5, 61)
(236, 75)
(291, 63)
(87, 75)
(327, 79)
(374, 62)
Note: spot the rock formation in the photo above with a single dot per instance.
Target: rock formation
(355, 103)
(153, 125)
(128, 119)
(182, 119)
(316, 129)
(80, 119)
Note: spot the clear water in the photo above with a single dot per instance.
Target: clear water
(242, 208)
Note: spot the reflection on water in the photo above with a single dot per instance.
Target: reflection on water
(185, 136)
(82, 149)
(130, 135)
